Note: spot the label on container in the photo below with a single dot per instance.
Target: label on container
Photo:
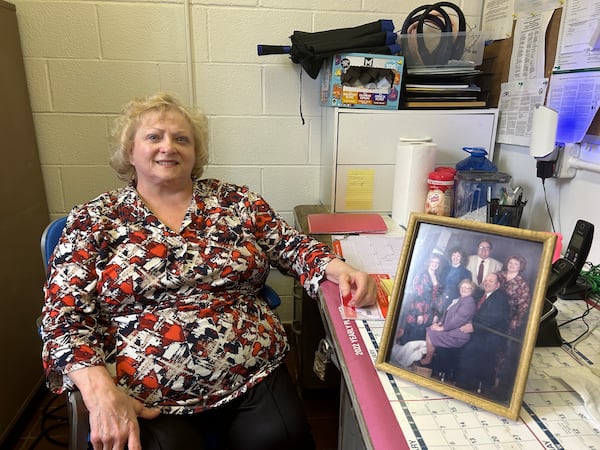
(439, 197)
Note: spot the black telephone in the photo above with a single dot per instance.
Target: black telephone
(564, 281)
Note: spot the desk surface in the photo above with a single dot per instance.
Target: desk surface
(396, 414)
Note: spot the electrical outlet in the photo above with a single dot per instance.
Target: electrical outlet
(563, 167)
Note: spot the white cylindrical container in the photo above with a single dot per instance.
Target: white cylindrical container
(415, 158)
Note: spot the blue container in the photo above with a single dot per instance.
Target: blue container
(476, 161)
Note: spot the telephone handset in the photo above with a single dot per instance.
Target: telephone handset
(564, 278)
(564, 281)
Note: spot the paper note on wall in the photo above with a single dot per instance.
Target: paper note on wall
(576, 97)
(359, 189)
(517, 102)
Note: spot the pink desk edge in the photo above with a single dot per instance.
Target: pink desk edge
(378, 416)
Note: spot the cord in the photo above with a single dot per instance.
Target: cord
(589, 306)
(592, 276)
(547, 205)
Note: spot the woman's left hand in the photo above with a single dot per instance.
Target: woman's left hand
(358, 287)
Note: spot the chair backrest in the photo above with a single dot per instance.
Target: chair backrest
(50, 238)
(52, 234)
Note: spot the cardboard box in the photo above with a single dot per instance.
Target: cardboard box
(362, 80)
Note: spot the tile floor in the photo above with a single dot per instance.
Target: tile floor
(45, 427)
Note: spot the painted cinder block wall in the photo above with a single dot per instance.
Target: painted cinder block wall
(85, 59)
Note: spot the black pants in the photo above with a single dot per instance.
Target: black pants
(268, 416)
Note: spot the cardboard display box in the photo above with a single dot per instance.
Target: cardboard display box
(362, 80)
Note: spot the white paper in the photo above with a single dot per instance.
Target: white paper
(372, 253)
(576, 97)
(517, 103)
(532, 6)
(497, 19)
(585, 381)
(578, 35)
(527, 60)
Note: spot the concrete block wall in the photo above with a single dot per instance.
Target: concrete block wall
(85, 58)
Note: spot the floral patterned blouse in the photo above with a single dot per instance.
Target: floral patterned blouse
(519, 299)
(176, 317)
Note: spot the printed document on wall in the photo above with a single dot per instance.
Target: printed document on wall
(579, 36)
(576, 97)
(498, 19)
(517, 101)
(527, 59)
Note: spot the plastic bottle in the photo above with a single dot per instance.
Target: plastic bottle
(440, 195)
(476, 161)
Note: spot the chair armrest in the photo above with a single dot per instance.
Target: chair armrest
(79, 422)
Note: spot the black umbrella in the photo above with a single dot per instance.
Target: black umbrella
(311, 49)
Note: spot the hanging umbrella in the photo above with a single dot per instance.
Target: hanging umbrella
(311, 49)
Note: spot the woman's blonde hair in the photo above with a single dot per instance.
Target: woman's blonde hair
(126, 125)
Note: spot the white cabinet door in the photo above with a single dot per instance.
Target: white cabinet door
(373, 138)
(354, 140)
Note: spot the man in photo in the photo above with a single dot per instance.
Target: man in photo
(489, 327)
(482, 264)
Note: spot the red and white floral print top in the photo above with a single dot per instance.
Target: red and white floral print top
(176, 317)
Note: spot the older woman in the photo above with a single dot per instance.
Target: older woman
(152, 300)
(455, 273)
(517, 287)
(447, 333)
(423, 305)
(514, 283)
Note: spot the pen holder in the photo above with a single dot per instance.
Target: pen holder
(509, 215)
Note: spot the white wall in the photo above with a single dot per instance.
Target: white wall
(568, 199)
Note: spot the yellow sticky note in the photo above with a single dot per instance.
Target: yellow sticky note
(359, 189)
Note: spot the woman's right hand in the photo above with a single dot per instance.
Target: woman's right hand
(112, 413)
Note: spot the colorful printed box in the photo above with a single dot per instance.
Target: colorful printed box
(362, 80)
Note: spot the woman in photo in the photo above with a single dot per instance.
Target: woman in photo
(447, 333)
(424, 304)
(456, 272)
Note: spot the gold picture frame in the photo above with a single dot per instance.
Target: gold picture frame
(485, 361)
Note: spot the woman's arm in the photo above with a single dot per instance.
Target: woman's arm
(358, 285)
(112, 414)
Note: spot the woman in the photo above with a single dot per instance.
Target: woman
(152, 307)
(447, 333)
(514, 283)
(517, 287)
(424, 304)
(456, 272)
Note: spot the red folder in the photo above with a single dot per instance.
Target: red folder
(345, 223)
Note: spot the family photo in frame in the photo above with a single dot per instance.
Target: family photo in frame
(465, 308)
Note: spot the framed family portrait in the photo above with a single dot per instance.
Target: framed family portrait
(465, 309)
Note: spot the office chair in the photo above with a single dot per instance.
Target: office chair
(79, 426)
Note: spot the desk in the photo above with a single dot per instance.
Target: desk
(391, 413)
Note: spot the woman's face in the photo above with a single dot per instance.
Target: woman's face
(513, 265)
(434, 263)
(163, 149)
(455, 258)
(465, 289)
